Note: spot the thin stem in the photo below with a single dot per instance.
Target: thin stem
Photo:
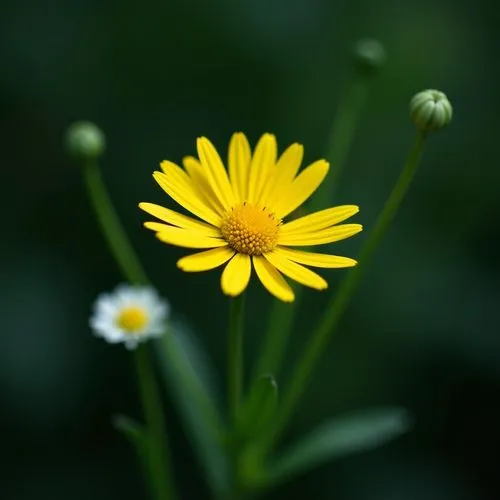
(339, 302)
(341, 138)
(235, 355)
(235, 383)
(130, 266)
(276, 338)
(111, 227)
(339, 143)
(158, 458)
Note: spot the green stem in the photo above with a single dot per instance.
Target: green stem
(276, 339)
(339, 302)
(111, 227)
(130, 266)
(339, 143)
(158, 458)
(235, 384)
(235, 355)
(341, 138)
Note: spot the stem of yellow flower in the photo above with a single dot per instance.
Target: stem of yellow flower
(339, 144)
(339, 302)
(235, 383)
(122, 250)
(235, 355)
(276, 339)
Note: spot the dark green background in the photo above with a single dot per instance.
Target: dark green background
(422, 331)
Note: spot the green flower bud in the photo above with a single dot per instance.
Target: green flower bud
(430, 110)
(369, 55)
(85, 141)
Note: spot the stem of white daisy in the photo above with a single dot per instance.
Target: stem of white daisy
(159, 463)
(235, 355)
(339, 143)
(339, 302)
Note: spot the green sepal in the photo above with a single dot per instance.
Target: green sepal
(135, 432)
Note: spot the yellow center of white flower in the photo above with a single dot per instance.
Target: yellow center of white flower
(250, 229)
(132, 319)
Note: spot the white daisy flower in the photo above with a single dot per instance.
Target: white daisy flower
(130, 314)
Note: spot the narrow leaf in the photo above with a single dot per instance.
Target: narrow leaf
(187, 372)
(357, 432)
(134, 431)
(137, 435)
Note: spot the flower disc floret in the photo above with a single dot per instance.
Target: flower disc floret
(132, 319)
(250, 230)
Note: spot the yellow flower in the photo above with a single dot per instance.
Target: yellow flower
(242, 215)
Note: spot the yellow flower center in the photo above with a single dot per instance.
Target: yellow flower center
(132, 319)
(250, 230)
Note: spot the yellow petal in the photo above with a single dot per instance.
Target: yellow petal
(302, 187)
(315, 259)
(236, 275)
(194, 168)
(177, 219)
(200, 183)
(180, 189)
(296, 271)
(204, 261)
(284, 173)
(263, 160)
(319, 220)
(272, 279)
(239, 157)
(328, 235)
(157, 226)
(216, 173)
(188, 239)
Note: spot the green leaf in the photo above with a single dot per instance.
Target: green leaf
(135, 432)
(186, 370)
(359, 431)
(260, 406)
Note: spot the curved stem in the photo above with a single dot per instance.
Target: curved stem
(341, 138)
(123, 252)
(339, 302)
(111, 227)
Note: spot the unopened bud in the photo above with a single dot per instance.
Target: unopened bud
(430, 110)
(369, 55)
(85, 141)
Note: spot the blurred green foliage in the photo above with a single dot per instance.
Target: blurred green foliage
(420, 333)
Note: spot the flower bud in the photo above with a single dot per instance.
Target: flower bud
(369, 55)
(85, 141)
(430, 110)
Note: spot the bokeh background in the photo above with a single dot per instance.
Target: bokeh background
(423, 330)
